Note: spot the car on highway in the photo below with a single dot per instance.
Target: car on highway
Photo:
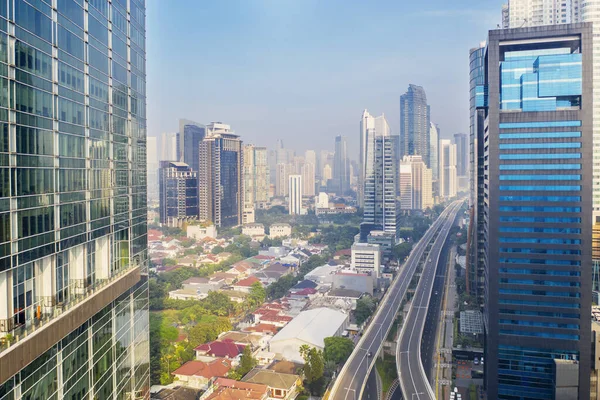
(476, 361)
(369, 354)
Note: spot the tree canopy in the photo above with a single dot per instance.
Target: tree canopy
(337, 349)
(365, 306)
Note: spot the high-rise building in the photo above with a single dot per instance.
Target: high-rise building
(341, 167)
(295, 195)
(381, 183)
(152, 167)
(448, 180)
(73, 218)
(282, 174)
(476, 251)
(461, 141)
(415, 124)
(524, 13)
(308, 179)
(537, 175)
(434, 141)
(370, 127)
(256, 180)
(188, 142)
(327, 174)
(220, 183)
(167, 147)
(178, 193)
(415, 184)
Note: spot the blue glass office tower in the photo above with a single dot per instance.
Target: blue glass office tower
(414, 125)
(189, 137)
(73, 235)
(537, 210)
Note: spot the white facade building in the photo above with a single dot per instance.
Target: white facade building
(366, 258)
(310, 327)
(308, 179)
(448, 182)
(280, 230)
(322, 200)
(295, 195)
(415, 184)
(370, 127)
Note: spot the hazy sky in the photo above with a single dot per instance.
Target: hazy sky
(304, 70)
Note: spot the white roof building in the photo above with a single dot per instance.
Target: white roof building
(309, 327)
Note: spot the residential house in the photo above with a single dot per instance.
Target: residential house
(198, 231)
(235, 296)
(245, 285)
(272, 273)
(256, 341)
(229, 389)
(254, 230)
(219, 349)
(197, 374)
(281, 386)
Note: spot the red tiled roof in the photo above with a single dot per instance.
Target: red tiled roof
(232, 383)
(221, 348)
(264, 328)
(249, 281)
(275, 318)
(218, 367)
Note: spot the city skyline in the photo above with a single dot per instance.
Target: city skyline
(378, 90)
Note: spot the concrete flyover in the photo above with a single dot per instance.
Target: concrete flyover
(350, 382)
(411, 374)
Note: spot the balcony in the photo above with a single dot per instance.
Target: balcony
(26, 336)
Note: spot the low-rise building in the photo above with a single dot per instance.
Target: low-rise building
(323, 275)
(227, 349)
(198, 374)
(281, 386)
(199, 231)
(386, 242)
(245, 285)
(272, 273)
(280, 230)
(254, 230)
(309, 327)
(229, 389)
(366, 258)
(363, 283)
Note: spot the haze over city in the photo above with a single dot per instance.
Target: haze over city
(303, 71)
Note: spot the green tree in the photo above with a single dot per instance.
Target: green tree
(314, 367)
(247, 362)
(365, 306)
(402, 250)
(257, 295)
(169, 262)
(217, 249)
(337, 349)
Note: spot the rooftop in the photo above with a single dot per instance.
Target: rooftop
(221, 348)
(271, 378)
(312, 326)
(249, 281)
(218, 367)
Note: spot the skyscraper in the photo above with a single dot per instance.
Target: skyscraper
(415, 184)
(167, 148)
(295, 195)
(462, 154)
(475, 252)
(73, 218)
(152, 167)
(310, 157)
(381, 183)
(281, 182)
(537, 177)
(370, 127)
(308, 179)
(341, 167)
(178, 193)
(448, 181)
(524, 13)
(189, 138)
(434, 138)
(256, 180)
(415, 124)
(220, 183)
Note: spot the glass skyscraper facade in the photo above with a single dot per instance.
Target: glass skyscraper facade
(73, 233)
(220, 178)
(537, 210)
(415, 124)
(188, 141)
